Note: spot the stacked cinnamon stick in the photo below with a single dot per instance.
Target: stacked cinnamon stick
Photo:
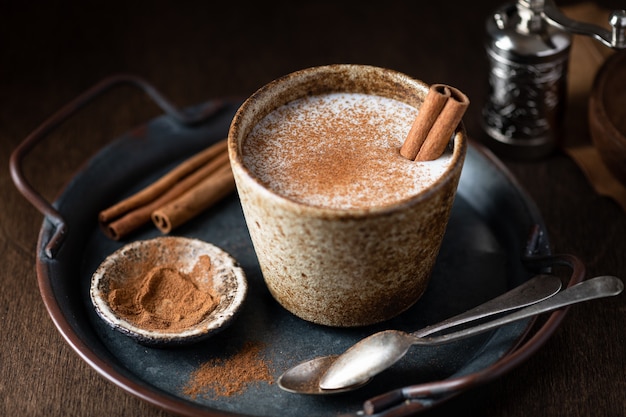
(438, 118)
(181, 194)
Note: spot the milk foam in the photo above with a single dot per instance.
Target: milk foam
(339, 150)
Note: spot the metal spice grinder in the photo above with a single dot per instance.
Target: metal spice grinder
(528, 45)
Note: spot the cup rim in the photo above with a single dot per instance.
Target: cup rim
(300, 77)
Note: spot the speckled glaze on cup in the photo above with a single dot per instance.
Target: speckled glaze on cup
(339, 267)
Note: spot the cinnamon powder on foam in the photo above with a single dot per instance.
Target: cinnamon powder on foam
(339, 150)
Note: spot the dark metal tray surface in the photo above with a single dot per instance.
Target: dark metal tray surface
(481, 257)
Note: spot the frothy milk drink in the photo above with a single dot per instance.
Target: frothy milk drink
(345, 229)
(339, 150)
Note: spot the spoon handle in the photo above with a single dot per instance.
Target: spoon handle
(599, 287)
(532, 291)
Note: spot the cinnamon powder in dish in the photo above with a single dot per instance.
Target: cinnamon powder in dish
(168, 291)
(165, 298)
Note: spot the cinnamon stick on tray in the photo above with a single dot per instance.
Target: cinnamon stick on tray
(212, 189)
(438, 118)
(187, 178)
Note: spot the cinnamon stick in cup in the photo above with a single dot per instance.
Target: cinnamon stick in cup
(441, 131)
(434, 102)
(193, 202)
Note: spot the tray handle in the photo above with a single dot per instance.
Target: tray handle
(35, 198)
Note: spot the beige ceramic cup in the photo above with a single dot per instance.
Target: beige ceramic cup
(339, 267)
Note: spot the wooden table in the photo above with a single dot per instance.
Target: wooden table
(194, 51)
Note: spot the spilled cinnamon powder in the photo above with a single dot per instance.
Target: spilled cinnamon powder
(165, 298)
(227, 377)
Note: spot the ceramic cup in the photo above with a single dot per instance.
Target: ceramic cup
(333, 266)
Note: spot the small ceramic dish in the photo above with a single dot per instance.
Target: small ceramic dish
(607, 114)
(139, 268)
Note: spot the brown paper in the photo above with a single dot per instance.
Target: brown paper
(587, 56)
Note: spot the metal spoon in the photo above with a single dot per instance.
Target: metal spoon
(380, 350)
(305, 378)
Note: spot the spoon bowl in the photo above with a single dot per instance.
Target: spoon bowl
(305, 377)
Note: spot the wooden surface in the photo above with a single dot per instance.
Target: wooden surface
(192, 51)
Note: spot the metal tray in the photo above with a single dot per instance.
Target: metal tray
(483, 255)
